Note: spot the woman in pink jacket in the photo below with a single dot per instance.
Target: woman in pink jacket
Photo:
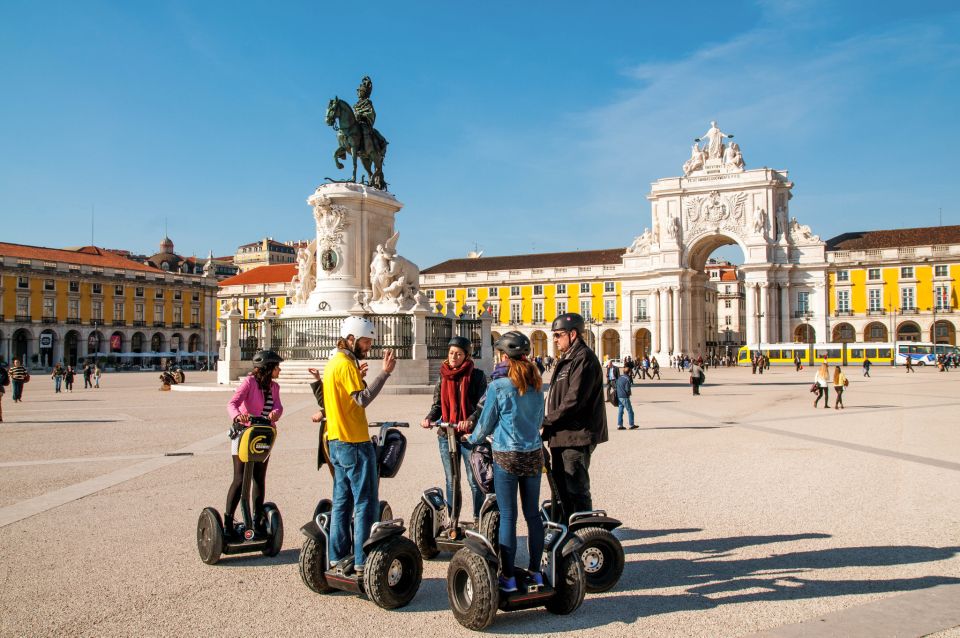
(257, 396)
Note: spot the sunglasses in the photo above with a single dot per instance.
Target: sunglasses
(557, 335)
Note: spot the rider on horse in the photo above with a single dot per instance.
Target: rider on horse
(364, 112)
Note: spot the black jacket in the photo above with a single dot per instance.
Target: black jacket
(575, 411)
(476, 392)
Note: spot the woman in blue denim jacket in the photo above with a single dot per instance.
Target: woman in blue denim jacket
(513, 413)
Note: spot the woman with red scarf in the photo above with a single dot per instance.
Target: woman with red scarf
(458, 399)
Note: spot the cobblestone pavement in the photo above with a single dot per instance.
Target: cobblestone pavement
(745, 510)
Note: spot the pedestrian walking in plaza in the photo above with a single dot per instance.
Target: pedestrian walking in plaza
(18, 377)
(257, 396)
(612, 373)
(822, 382)
(576, 421)
(753, 364)
(96, 376)
(624, 390)
(796, 362)
(512, 414)
(839, 383)
(645, 367)
(697, 377)
(353, 456)
(458, 399)
(57, 377)
(68, 378)
(654, 368)
(4, 382)
(909, 364)
(87, 375)
(866, 367)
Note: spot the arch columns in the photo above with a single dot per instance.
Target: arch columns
(764, 289)
(656, 340)
(785, 333)
(750, 296)
(675, 317)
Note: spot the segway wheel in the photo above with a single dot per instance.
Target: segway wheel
(313, 566)
(393, 572)
(421, 531)
(386, 512)
(571, 586)
(602, 556)
(210, 536)
(472, 590)
(274, 528)
(490, 527)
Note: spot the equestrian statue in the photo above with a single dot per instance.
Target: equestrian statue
(356, 135)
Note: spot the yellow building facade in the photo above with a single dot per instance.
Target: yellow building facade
(73, 305)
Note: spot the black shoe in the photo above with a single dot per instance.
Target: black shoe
(634, 427)
(620, 427)
(230, 531)
(343, 566)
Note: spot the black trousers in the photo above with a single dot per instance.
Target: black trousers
(570, 467)
(236, 488)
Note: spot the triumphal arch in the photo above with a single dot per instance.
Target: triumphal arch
(719, 201)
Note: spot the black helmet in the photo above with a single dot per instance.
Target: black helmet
(569, 321)
(514, 344)
(265, 358)
(461, 342)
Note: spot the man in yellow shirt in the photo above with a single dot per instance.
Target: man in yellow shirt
(354, 458)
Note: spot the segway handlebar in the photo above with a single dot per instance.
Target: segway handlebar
(388, 424)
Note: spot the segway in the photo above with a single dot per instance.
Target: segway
(435, 525)
(256, 443)
(394, 568)
(601, 551)
(474, 593)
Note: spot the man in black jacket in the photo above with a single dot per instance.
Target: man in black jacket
(576, 420)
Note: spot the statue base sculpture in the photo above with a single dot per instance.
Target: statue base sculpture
(353, 224)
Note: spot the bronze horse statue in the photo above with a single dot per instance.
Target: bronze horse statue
(351, 140)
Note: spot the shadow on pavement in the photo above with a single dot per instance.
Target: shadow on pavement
(59, 421)
(719, 545)
(285, 557)
(709, 583)
(630, 534)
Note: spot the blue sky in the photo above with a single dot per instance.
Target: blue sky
(523, 127)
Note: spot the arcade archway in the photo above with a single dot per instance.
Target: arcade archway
(538, 343)
(610, 344)
(944, 332)
(908, 331)
(641, 343)
(805, 334)
(875, 332)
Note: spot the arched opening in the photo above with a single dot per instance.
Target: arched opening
(908, 331)
(176, 342)
(641, 343)
(538, 343)
(590, 339)
(875, 332)
(611, 344)
(20, 346)
(136, 347)
(805, 333)
(116, 342)
(844, 333)
(156, 342)
(46, 346)
(71, 348)
(717, 313)
(193, 344)
(95, 344)
(944, 332)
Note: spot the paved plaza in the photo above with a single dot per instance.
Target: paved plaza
(745, 512)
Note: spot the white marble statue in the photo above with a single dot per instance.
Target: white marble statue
(801, 233)
(674, 229)
(714, 138)
(305, 280)
(732, 156)
(695, 163)
(641, 244)
(760, 221)
(780, 222)
(392, 277)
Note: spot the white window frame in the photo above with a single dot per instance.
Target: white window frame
(585, 289)
(874, 299)
(908, 294)
(843, 301)
(537, 312)
(843, 275)
(561, 289)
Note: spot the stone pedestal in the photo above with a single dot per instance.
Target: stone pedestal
(351, 221)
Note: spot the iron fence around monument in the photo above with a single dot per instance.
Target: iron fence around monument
(309, 338)
(472, 330)
(249, 338)
(439, 331)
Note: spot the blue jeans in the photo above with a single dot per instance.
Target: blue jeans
(624, 404)
(444, 446)
(56, 383)
(506, 486)
(355, 498)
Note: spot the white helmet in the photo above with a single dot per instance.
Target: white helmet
(358, 327)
